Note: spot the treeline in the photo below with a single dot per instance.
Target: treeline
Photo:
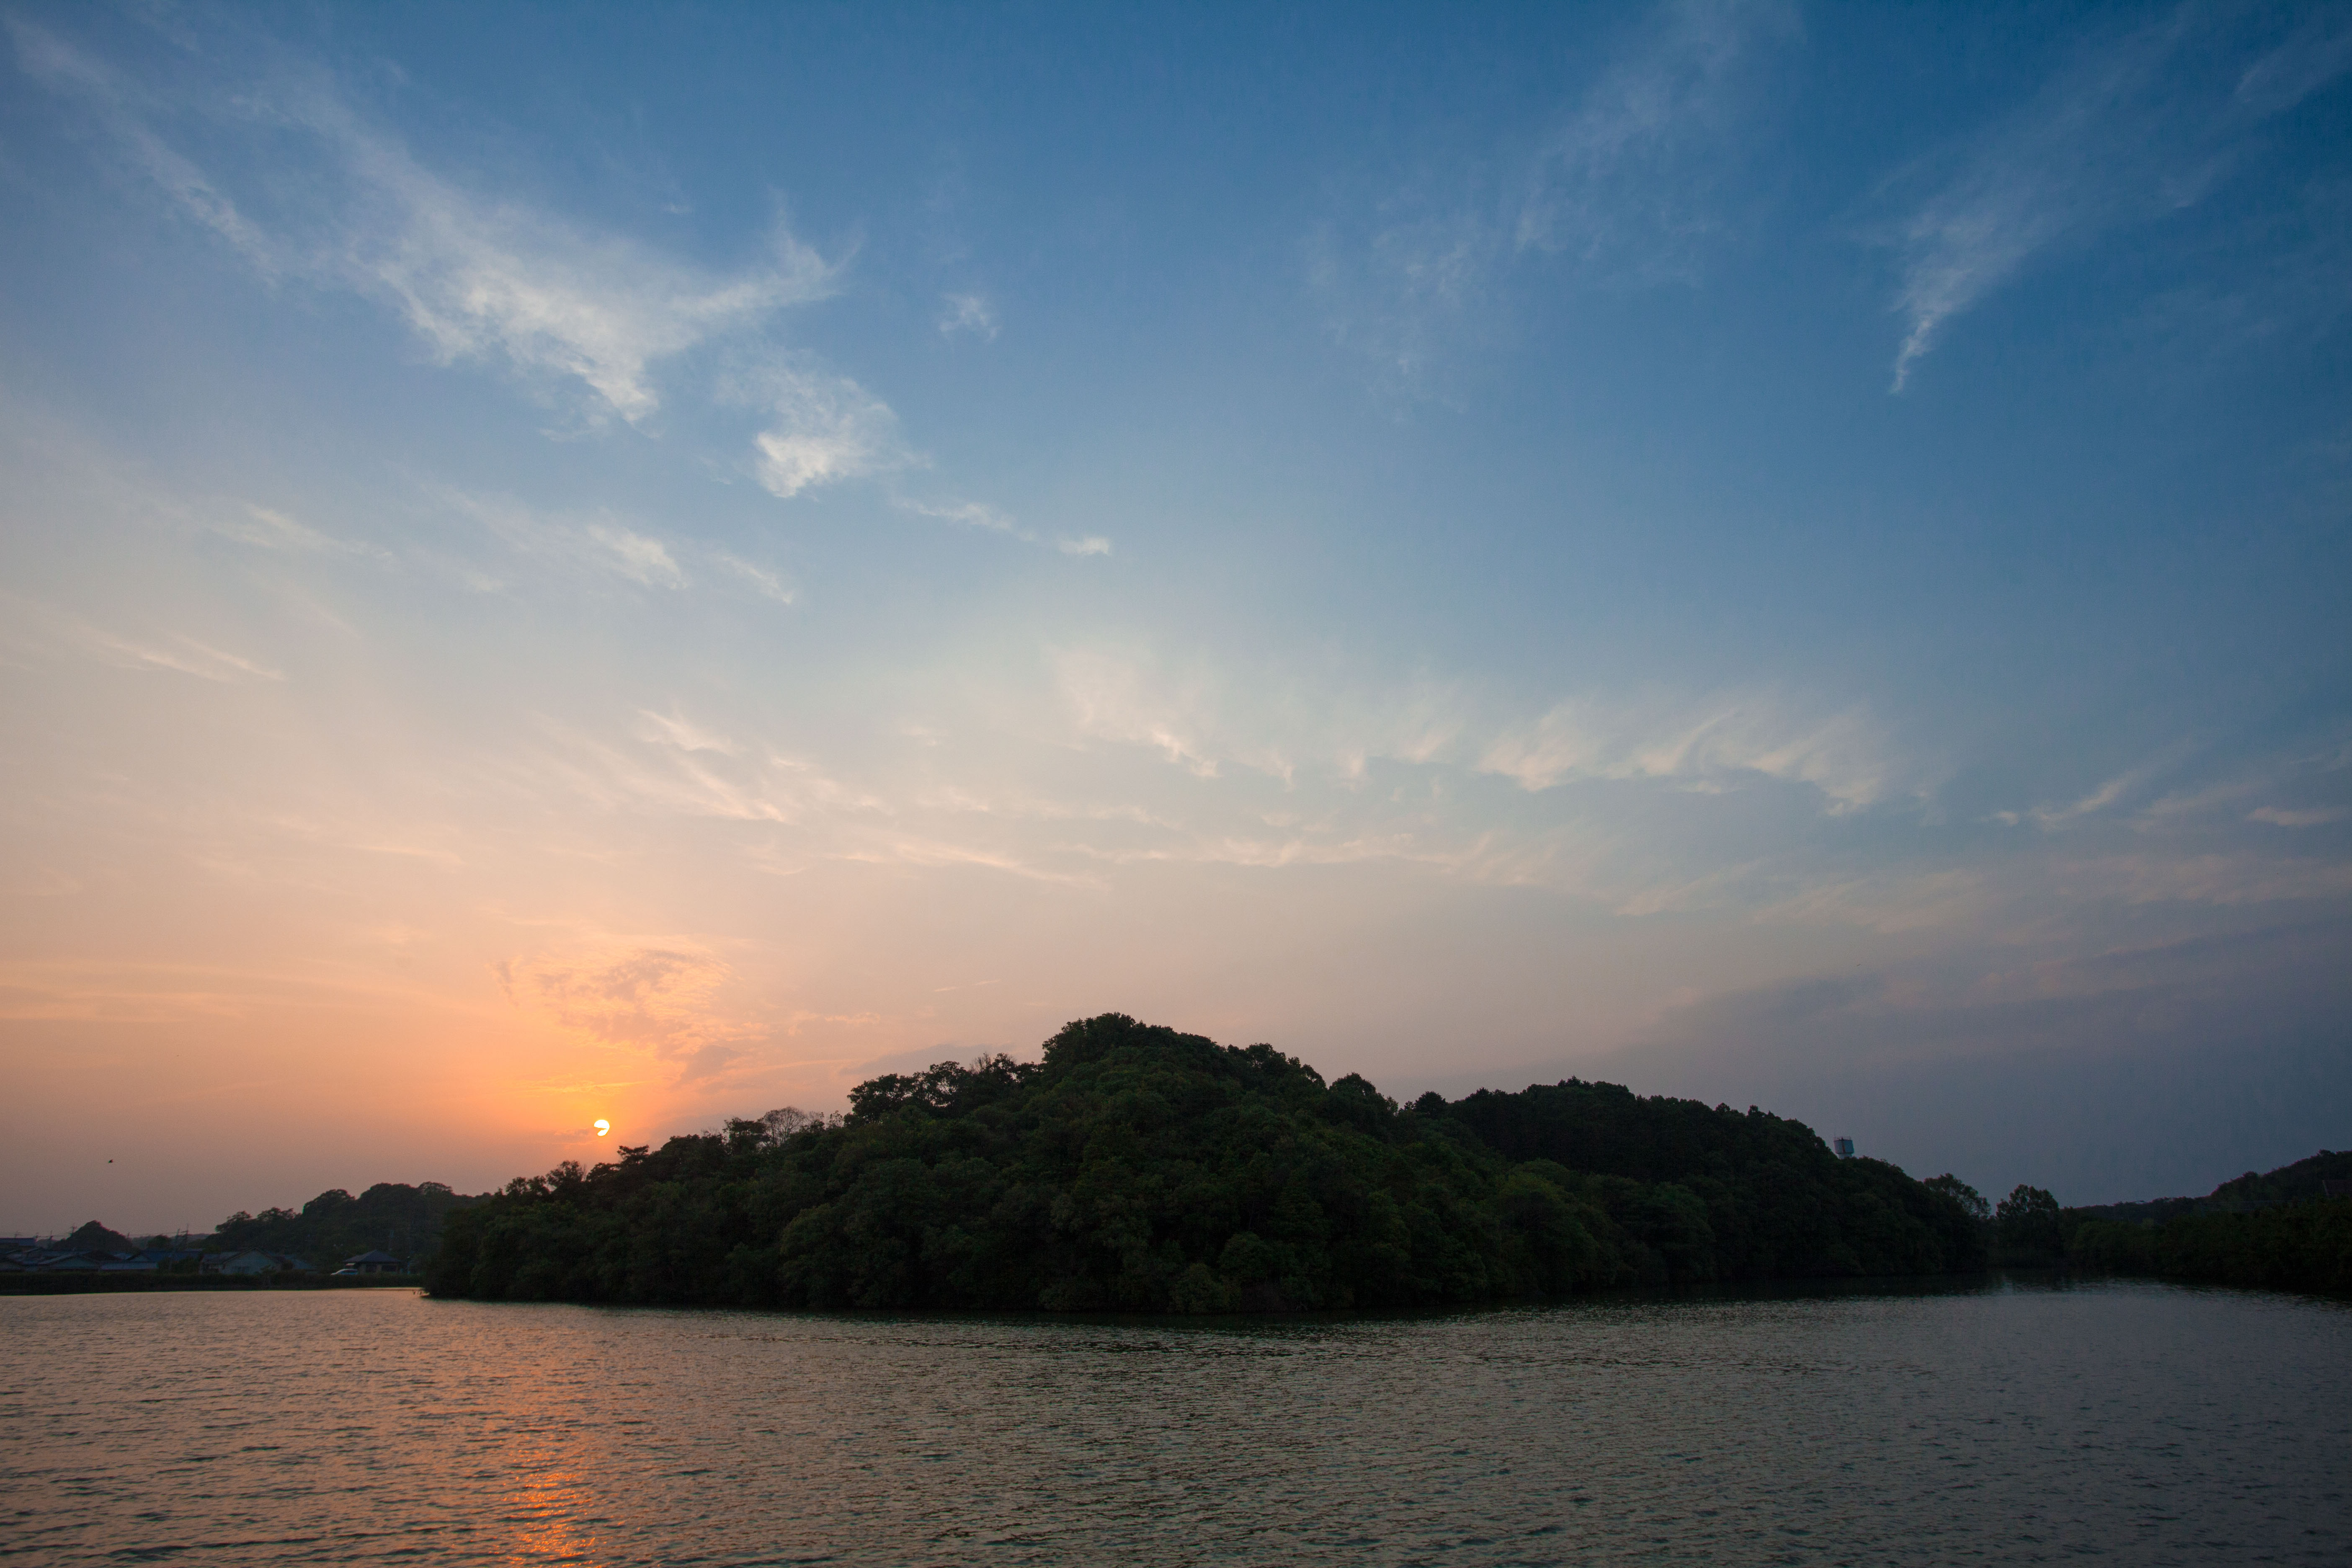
(1138, 1169)
(391, 1217)
(2280, 1231)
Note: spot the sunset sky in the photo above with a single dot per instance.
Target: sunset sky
(654, 562)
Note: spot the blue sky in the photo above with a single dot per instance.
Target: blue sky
(576, 561)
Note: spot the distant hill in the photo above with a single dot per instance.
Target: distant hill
(2298, 1183)
(392, 1216)
(1139, 1168)
(95, 1237)
(2282, 1231)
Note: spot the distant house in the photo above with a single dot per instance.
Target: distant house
(159, 1257)
(260, 1263)
(375, 1262)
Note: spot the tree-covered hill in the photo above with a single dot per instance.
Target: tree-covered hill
(2279, 1231)
(1139, 1168)
(93, 1236)
(391, 1217)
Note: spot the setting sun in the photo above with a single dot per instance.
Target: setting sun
(603, 1127)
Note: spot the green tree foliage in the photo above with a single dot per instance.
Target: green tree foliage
(2026, 1227)
(390, 1217)
(2293, 1247)
(1960, 1192)
(1138, 1169)
(2280, 1231)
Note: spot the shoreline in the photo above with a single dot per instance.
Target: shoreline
(95, 1284)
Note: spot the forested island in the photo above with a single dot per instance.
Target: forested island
(1139, 1168)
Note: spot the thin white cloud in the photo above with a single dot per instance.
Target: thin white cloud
(967, 313)
(40, 628)
(477, 278)
(2282, 816)
(766, 583)
(968, 513)
(1109, 698)
(1704, 744)
(601, 546)
(1628, 180)
(671, 730)
(636, 556)
(183, 654)
(826, 429)
(995, 519)
(2134, 130)
(2098, 800)
(264, 528)
(121, 108)
(1629, 188)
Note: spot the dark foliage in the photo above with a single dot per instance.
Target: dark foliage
(1960, 1192)
(2298, 1183)
(2028, 1228)
(1137, 1169)
(2279, 1231)
(390, 1217)
(2293, 1246)
(95, 1237)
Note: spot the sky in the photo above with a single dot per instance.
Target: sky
(571, 562)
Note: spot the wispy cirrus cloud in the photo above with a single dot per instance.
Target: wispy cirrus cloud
(2136, 128)
(1704, 744)
(476, 277)
(964, 514)
(824, 428)
(1203, 722)
(767, 583)
(1628, 188)
(995, 519)
(596, 319)
(663, 996)
(46, 630)
(595, 545)
(2286, 817)
(968, 313)
(1632, 181)
(267, 529)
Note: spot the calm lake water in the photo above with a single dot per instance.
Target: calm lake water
(2004, 1423)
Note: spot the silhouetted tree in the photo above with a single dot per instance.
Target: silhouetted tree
(2027, 1222)
(1971, 1202)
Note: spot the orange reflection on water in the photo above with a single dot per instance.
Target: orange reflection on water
(551, 1512)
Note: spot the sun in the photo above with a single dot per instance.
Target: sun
(603, 1127)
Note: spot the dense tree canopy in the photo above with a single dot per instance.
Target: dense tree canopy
(1139, 1168)
(2284, 1230)
(2026, 1226)
(392, 1216)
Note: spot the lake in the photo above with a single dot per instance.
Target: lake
(1997, 1422)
